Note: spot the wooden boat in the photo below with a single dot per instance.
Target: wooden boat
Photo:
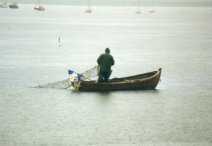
(146, 81)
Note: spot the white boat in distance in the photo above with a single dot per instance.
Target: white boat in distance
(39, 8)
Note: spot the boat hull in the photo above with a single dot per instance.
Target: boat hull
(147, 81)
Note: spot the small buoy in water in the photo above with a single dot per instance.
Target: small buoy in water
(59, 44)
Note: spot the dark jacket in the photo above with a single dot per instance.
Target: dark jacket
(105, 62)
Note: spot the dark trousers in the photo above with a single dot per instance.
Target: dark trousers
(103, 76)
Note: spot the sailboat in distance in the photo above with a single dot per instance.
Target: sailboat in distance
(89, 7)
(152, 10)
(38, 7)
(138, 7)
(3, 5)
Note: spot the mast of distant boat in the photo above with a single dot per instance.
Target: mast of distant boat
(89, 7)
(38, 4)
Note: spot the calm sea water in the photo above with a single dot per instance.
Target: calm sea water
(178, 112)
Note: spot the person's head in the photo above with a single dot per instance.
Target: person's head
(107, 50)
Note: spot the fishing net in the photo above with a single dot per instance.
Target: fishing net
(88, 74)
(63, 84)
(66, 83)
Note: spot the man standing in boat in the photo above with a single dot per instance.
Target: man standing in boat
(105, 61)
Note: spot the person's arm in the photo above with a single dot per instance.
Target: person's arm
(99, 59)
(113, 62)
